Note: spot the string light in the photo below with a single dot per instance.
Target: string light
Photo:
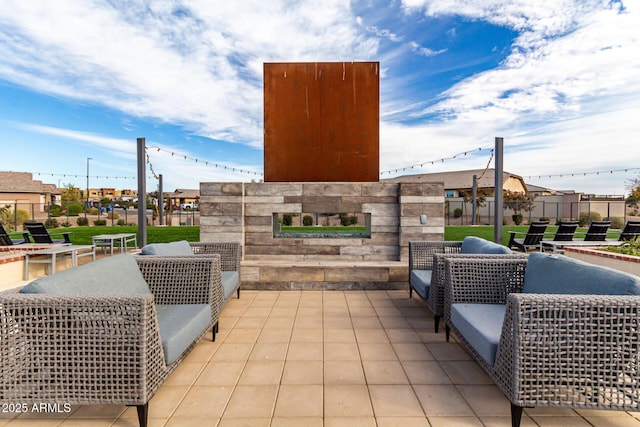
(442, 160)
(206, 163)
(560, 175)
(70, 175)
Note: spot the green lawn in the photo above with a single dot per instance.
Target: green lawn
(82, 235)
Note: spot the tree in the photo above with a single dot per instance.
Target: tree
(633, 185)
(70, 194)
(518, 202)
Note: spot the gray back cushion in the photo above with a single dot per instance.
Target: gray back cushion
(181, 247)
(115, 275)
(558, 274)
(476, 245)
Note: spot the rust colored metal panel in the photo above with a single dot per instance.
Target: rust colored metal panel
(321, 122)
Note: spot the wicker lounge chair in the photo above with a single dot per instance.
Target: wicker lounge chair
(531, 240)
(547, 332)
(108, 332)
(6, 240)
(40, 234)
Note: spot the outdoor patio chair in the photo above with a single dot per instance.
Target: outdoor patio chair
(40, 234)
(565, 232)
(597, 231)
(531, 240)
(631, 231)
(6, 240)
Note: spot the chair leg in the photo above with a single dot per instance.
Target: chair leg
(213, 332)
(447, 332)
(238, 292)
(516, 415)
(410, 291)
(436, 321)
(143, 413)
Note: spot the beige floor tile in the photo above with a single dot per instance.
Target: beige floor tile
(269, 351)
(283, 311)
(335, 311)
(186, 373)
(442, 400)
(422, 323)
(460, 422)
(363, 311)
(612, 421)
(306, 334)
(343, 372)
(297, 422)
(566, 422)
(424, 372)
(203, 402)
(403, 336)
(299, 401)
(261, 372)
(448, 351)
(366, 322)
(349, 422)
(402, 422)
(204, 350)
(279, 322)
(305, 351)
(250, 322)
(387, 311)
(465, 372)
(377, 351)
(384, 372)
(252, 401)
(371, 335)
(412, 351)
(308, 322)
(232, 352)
(275, 335)
(166, 400)
(486, 400)
(347, 400)
(221, 373)
(243, 336)
(310, 311)
(394, 322)
(80, 411)
(394, 401)
(242, 422)
(339, 335)
(341, 351)
(303, 372)
(337, 322)
(501, 422)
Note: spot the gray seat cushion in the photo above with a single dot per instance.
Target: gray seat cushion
(420, 281)
(558, 274)
(230, 282)
(116, 275)
(180, 247)
(481, 326)
(476, 245)
(180, 325)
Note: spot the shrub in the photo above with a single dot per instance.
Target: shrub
(544, 218)
(92, 211)
(55, 210)
(98, 222)
(307, 220)
(66, 224)
(585, 218)
(517, 218)
(121, 222)
(82, 221)
(457, 212)
(287, 219)
(616, 222)
(74, 209)
(113, 215)
(51, 223)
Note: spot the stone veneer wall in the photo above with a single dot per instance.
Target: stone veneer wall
(243, 212)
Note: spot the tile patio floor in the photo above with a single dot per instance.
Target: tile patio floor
(326, 358)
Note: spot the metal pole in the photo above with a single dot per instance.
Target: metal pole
(474, 194)
(497, 191)
(87, 205)
(142, 194)
(160, 201)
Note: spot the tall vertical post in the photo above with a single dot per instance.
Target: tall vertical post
(160, 200)
(497, 191)
(87, 202)
(142, 194)
(474, 202)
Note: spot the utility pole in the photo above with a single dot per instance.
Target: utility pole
(142, 194)
(87, 204)
(497, 192)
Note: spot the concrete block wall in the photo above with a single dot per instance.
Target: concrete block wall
(243, 212)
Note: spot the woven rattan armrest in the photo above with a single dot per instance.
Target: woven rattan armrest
(230, 253)
(570, 350)
(421, 252)
(185, 279)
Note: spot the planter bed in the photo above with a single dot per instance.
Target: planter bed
(621, 262)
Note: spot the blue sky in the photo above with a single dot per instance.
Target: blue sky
(559, 80)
